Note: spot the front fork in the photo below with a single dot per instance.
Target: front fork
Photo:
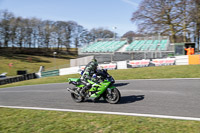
(109, 91)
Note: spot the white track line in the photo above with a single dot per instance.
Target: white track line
(104, 112)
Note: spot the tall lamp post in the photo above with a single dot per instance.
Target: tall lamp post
(114, 39)
(114, 32)
(54, 55)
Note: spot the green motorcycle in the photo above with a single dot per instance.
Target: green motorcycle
(103, 89)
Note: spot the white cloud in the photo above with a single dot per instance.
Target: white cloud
(130, 2)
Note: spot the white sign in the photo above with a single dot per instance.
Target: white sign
(163, 62)
(110, 66)
(139, 63)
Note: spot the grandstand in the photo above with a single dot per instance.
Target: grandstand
(139, 48)
(104, 47)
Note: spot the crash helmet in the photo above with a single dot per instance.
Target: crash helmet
(94, 61)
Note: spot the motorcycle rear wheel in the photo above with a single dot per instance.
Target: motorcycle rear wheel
(113, 97)
(77, 98)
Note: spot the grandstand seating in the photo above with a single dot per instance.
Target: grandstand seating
(163, 45)
(139, 45)
(136, 45)
(154, 45)
(132, 45)
(104, 46)
(147, 45)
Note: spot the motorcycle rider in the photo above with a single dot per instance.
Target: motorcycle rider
(89, 74)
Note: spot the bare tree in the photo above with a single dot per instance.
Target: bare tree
(33, 32)
(59, 31)
(195, 13)
(161, 16)
(28, 33)
(13, 29)
(131, 34)
(80, 36)
(5, 32)
(101, 33)
(47, 30)
(21, 33)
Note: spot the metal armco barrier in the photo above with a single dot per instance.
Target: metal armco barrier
(50, 73)
(17, 79)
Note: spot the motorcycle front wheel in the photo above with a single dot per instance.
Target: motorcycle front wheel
(113, 96)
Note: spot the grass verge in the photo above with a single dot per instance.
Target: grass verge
(35, 121)
(18, 120)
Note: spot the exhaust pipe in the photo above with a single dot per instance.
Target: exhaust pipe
(72, 91)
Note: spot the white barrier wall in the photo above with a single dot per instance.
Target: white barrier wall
(66, 71)
(122, 65)
(182, 60)
(179, 60)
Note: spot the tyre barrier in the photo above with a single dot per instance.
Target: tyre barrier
(18, 78)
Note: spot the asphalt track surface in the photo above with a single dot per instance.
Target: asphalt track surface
(171, 97)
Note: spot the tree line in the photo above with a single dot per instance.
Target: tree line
(35, 33)
(179, 19)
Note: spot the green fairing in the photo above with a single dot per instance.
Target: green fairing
(74, 79)
(111, 87)
(80, 86)
(91, 82)
(103, 86)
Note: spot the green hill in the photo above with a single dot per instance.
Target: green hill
(31, 63)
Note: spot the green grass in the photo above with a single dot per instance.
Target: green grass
(35, 121)
(47, 80)
(189, 71)
(19, 120)
(30, 63)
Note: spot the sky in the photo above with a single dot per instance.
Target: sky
(88, 13)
